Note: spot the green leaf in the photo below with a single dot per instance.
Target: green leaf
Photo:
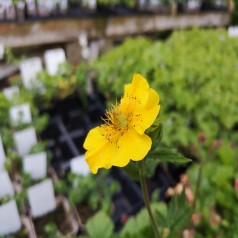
(100, 226)
(167, 155)
(132, 170)
(149, 166)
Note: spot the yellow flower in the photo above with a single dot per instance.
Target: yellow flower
(122, 136)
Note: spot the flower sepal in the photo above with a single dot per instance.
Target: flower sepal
(155, 132)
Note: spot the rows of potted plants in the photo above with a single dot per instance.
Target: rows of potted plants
(35, 123)
(21, 10)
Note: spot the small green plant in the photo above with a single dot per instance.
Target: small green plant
(96, 192)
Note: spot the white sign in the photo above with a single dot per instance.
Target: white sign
(11, 92)
(10, 221)
(25, 140)
(53, 58)
(2, 155)
(20, 114)
(35, 165)
(79, 166)
(41, 198)
(6, 188)
(29, 70)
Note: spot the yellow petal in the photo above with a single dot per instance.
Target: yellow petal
(145, 119)
(99, 150)
(94, 139)
(101, 157)
(131, 146)
(136, 93)
(153, 99)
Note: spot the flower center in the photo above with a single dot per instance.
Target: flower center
(121, 120)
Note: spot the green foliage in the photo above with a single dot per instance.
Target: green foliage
(58, 86)
(96, 192)
(217, 196)
(174, 218)
(4, 111)
(177, 216)
(117, 66)
(167, 155)
(51, 231)
(100, 226)
(128, 3)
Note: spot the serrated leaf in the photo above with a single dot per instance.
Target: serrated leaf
(100, 226)
(167, 155)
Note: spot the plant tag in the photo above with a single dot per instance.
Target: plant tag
(79, 166)
(20, 114)
(29, 70)
(62, 4)
(10, 221)
(83, 40)
(11, 92)
(41, 198)
(24, 140)
(1, 46)
(233, 31)
(31, 7)
(53, 58)
(6, 188)
(2, 155)
(92, 4)
(193, 4)
(10, 10)
(35, 165)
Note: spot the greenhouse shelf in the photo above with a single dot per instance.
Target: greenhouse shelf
(66, 30)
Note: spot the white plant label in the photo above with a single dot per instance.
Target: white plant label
(233, 31)
(35, 165)
(2, 155)
(24, 140)
(41, 198)
(29, 70)
(83, 40)
(20, 114)
(11, 92)
(79, 166)
(63, 4)
(6, 188)
(92, 4)
(53, 58)
(1, 47)
(10, 221)
(193, 4)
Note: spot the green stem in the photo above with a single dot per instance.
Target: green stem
(198, 183)
(147, 201)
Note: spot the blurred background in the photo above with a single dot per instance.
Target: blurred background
(64, 62)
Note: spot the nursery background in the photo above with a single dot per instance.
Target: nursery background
(63, 63)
